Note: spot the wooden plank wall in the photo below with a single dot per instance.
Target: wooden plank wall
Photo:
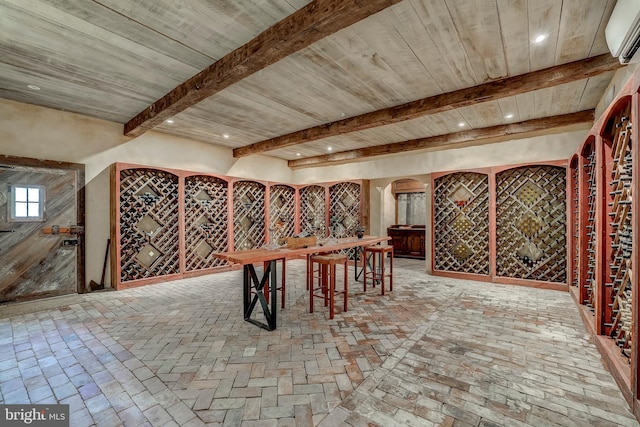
(35, 264)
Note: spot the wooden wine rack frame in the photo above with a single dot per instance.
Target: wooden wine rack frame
(283, 211)
(575, 220)
(588, 219)
(531, 223)
(492, 231)
(249, 226)
(166, 224)
(206, 221)
(606, 221)
(149, 223)
(314, 210)
(461, 223)
(618, 289)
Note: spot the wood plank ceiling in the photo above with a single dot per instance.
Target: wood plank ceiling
(290, 78)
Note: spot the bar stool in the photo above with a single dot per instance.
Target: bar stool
(378, 255)
(327, 280)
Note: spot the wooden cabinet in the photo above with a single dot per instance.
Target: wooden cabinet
(408, 240)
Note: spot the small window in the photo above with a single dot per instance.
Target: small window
(27, 203)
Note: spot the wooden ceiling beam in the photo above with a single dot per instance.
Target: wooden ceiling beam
(454, 140)
(490, 91)
(316, 20)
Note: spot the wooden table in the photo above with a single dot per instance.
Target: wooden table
(269, 258)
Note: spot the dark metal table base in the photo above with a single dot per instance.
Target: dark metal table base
(357, 274)
(270, 309)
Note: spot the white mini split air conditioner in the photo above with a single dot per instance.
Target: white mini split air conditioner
(623, 31)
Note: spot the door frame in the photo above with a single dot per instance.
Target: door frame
(78, 168)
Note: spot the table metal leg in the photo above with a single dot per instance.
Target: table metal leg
(357, 273)
(270, 309)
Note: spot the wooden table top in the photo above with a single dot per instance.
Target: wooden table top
(252, 256)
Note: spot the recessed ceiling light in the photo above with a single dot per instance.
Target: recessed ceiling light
(461, 124)
(540, 38)
(169, 121)
(33, 87)
(508, 116)
(225, 136)
(298, 154)
(329, 149)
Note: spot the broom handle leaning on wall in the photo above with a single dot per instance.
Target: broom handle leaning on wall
(104, 265)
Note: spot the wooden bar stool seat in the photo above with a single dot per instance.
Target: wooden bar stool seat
(326, 286)
(378, 272)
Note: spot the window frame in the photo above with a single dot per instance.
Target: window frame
(13, 203)
(409, 195)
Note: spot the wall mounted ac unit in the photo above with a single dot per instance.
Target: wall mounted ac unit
(623, 31)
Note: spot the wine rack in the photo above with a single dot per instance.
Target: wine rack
(206, 221)
(619, 286)
(575, 218)
(531, 223)
(344, 208)
(282, 212)
(313, 210)
(589, 285)
(344, 205)
(461, 223)
(608, 270)
(168, 224)
(149, 226)
(248, 215)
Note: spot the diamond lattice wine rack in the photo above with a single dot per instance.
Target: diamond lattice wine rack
(345, 215)
(148, 211)
(313, 210)
(168, 224)
(282, 212)
(248, 215)
(502, 224)
(531, 223)
(206, 221)
(461, 223)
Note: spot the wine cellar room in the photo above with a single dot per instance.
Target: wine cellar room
(144, 148)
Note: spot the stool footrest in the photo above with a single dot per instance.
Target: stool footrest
(326, 275)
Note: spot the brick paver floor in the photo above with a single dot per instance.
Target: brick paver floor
(434, 352)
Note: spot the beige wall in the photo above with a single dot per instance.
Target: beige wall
(42, 133)
(31, 131)
(526, 150)
(383, 171)
(617, 83)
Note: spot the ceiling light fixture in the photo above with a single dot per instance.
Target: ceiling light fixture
(169, 121)
(461, 124)
(33, 87)
(225, 136)
(508, 116)
(329, 149)
(298, 154)
(540, 38)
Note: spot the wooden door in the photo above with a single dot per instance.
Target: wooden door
(41, 229)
